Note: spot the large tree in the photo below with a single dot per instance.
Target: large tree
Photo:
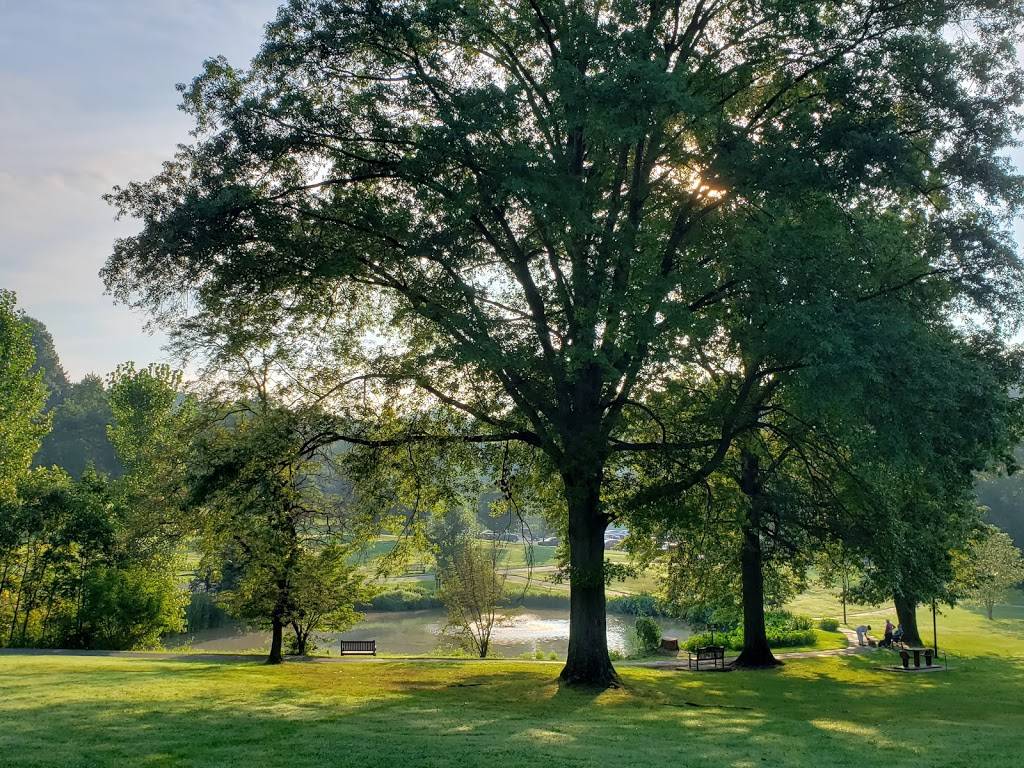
(517, 209)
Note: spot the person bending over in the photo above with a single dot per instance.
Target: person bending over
(862, 634)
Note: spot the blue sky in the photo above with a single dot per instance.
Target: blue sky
(87, 101)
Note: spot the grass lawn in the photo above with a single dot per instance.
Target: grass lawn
(963, 631)
(839, 711)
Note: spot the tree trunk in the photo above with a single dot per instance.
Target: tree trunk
(587, 662)
(906, 613)
(277, 627)
(989, 608)
(756, 653)
(300, 639)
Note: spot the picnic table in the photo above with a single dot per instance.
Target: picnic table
(713, 653)
(909, 650)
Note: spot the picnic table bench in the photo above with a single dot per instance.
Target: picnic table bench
(359, 646)
(907, 650)
(713, 653)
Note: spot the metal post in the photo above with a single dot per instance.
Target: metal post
(845, 587)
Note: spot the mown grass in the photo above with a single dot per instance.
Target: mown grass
(962, 631)
(843, 711)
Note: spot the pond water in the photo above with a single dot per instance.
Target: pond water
(526, 630)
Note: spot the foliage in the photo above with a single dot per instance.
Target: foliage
(131, 607)
(47, 361)
(637, 605)
(70, 577)
(22, 397)
(324, 590)
(79, 439)
(784, 630)
(448, 532)
(472, 589)
(828, 625)
(203, 612)
(149, 430)
(552, 222)
(995, 565)
(281, 547)
(648, 634)
(1002, 495)
(411, 597)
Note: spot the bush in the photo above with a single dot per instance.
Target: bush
(784, 630)
(533, 597)
(829, 625)
(129, 608)
(648, 633)
(636, 605)
(405, 598)
(291, 646)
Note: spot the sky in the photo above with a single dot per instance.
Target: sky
(87, 101)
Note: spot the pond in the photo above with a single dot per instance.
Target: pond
(525, 630)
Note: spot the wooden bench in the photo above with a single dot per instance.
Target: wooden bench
(359, 646)
(713, 653)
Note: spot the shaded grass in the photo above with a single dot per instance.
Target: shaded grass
(101, 711)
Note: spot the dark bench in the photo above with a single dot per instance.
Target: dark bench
(359, 646)
(713, 653)
(906, 651)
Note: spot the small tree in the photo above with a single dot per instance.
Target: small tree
(471, 589)
(997, 566)
(326, 587)
(22, 397)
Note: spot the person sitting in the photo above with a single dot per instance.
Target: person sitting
(897, 636)
(862, 634)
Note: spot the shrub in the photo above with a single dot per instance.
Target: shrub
(127, 608)
(533, 597)
(636, 605)
(648, 633)
(784, 630)
(405, 598)
(291, 647)
(829, 625)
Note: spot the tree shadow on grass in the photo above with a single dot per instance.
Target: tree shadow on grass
(471, 715)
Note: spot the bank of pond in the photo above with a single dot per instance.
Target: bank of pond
(520, 631)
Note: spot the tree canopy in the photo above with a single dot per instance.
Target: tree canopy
(540, 214)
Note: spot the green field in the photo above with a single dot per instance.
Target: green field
(100, 711)
(105, 711)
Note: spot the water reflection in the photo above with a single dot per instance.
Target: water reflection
(527, 630)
